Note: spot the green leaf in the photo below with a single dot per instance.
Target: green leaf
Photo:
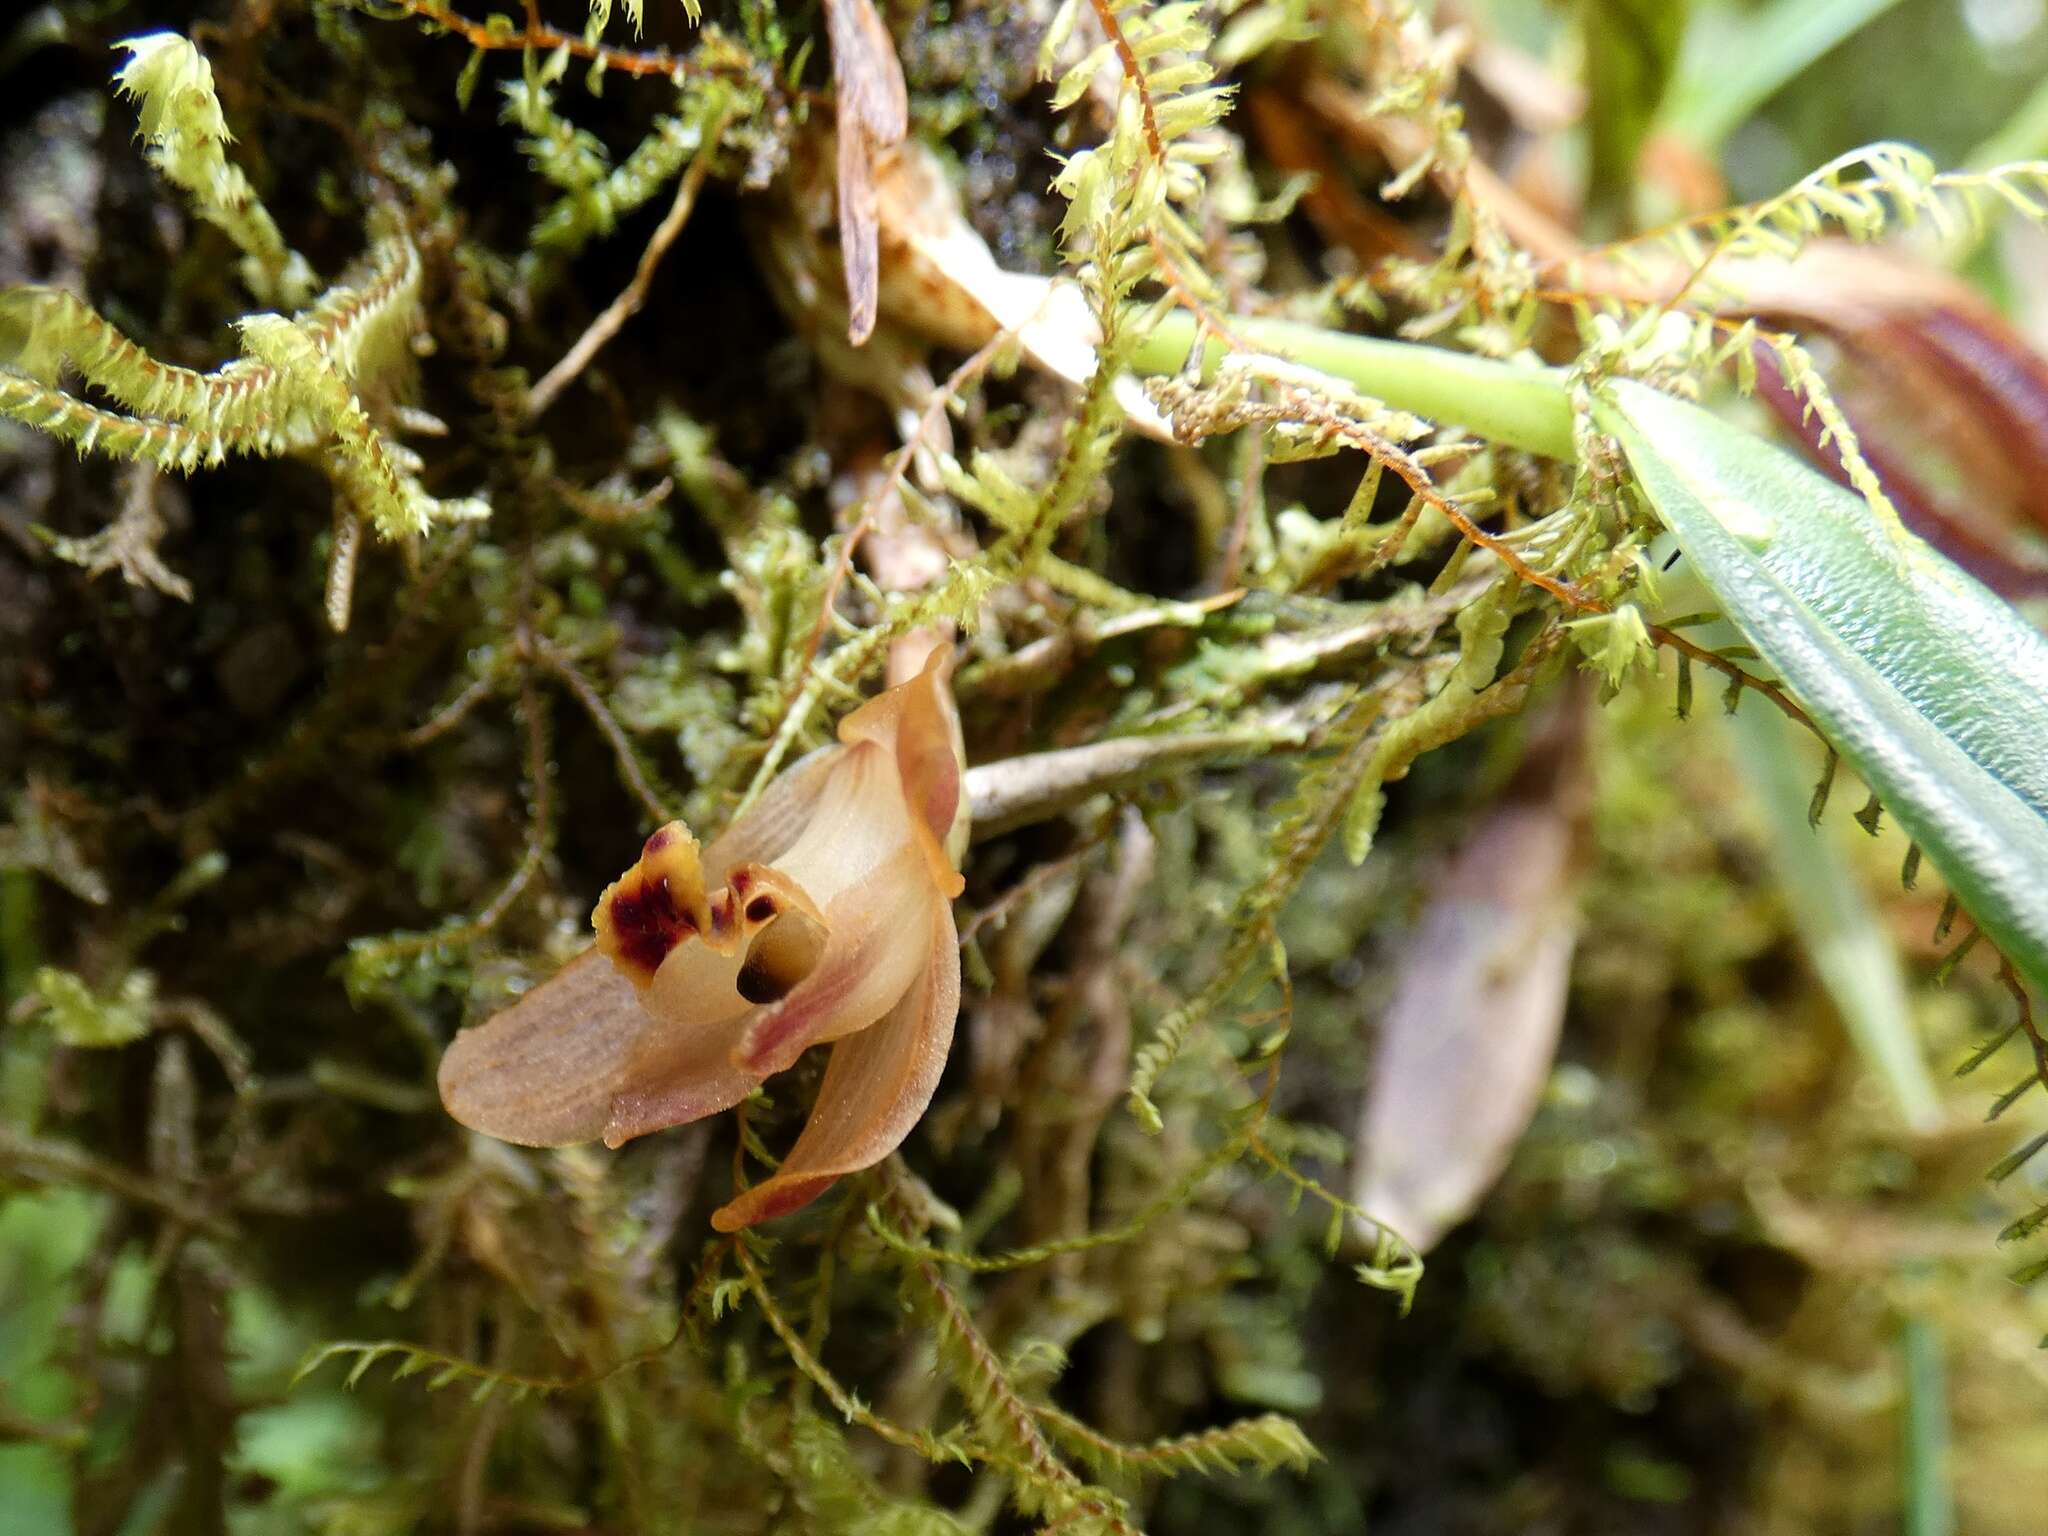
(1842, 931)
(1933, 688)
(1631, 53)
(1776, 43)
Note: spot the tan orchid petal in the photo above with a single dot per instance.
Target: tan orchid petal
(859, 826)
(867, 862)
(777, 818)
(919, 725)
(876, 1086)
(543, 1072)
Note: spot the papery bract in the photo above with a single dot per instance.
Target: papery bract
(824, 913)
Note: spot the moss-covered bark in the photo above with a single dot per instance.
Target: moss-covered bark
(323, 750)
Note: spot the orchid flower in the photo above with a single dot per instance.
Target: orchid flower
(824, 913)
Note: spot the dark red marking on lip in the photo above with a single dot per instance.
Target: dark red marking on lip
(646, 925)
(659, 839)
(760, 909)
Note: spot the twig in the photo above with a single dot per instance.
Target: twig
(451, 714)
(57, 1161)
(607, 725)
(1134, 72)
(999, 910)
(934, 411)
(1301, 409)
(2009, 978)
(1018, 790)
(129, 543)
(1735, 674)
(538, 37)
(634, 294)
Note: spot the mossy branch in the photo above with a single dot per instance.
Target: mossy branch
(1265, 1443)
(440, 1370)
(298, 387)
(187, 138)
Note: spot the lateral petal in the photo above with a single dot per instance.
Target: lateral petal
(775, 820)
(871, 957)
(877, 1085)
(859, 826)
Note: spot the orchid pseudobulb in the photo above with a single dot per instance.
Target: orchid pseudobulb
(823, 914)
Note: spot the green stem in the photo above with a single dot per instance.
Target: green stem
(1928, 1499)
(1520, 406)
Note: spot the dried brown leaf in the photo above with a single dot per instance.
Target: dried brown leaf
(873, 116)
(1467, 1042)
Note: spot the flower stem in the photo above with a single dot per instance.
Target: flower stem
(1929, 1497)
(1516, 405)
